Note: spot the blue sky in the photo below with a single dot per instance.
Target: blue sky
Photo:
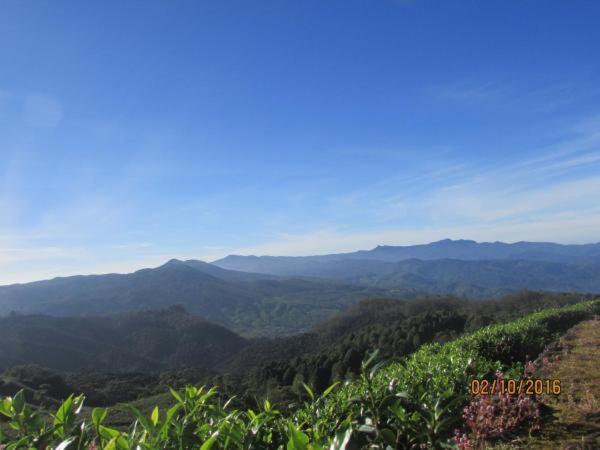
(133, 132)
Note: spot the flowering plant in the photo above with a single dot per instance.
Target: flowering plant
(491, 416)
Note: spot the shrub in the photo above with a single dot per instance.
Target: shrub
(491, 416)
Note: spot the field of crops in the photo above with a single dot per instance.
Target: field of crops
(421, 401)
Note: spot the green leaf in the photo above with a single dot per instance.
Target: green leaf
(168, 419)
(210, 442)
(327, 391)
(308, 391)
(98, 416)
(18, 402)
(108, 433)
(6, 407)
(176, 395)
(63, 411)
(117, 443)
(154, 416)
(370, 359)
(298, 440)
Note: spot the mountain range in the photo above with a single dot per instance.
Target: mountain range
(282, 295)
(461, 249)
(251, 304)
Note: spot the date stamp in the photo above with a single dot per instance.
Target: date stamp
(529, 386)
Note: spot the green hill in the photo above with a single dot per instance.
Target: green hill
(137, 341)
(249, 304)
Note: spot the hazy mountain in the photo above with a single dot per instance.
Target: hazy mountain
(143, 340)
(462, 268)
(297, 292)
(486, 278)
(252, 304)
(445, 249)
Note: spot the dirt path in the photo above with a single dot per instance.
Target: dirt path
(572, 419)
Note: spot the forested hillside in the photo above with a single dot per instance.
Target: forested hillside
(249, 304)
(335, 348)
(136, 341)
(295, 293)
(421, 401)
(485, 278)
(123, 357)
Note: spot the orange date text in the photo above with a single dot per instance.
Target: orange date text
(515, 387)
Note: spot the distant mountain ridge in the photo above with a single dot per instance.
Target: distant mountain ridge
(248, 303)
(458, 267)
(445, 249)
(275, 296)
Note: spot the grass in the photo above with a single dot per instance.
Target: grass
(572, 419)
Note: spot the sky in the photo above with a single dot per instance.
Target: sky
(135, 132)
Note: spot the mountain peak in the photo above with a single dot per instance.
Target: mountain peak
(173, 261)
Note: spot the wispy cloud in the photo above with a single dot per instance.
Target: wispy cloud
(492, 93)
(108, 223)
(550, 197)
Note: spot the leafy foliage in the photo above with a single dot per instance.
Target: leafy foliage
(406, 404)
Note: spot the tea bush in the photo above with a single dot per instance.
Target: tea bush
(416, 402)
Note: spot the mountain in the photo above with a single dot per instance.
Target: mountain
(251, 304)
(137, 341)
(295, 293)
(445, 249)
(486, 278)
(462, 268)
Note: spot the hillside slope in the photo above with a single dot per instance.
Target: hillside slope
(139, 341)
(251, 304)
